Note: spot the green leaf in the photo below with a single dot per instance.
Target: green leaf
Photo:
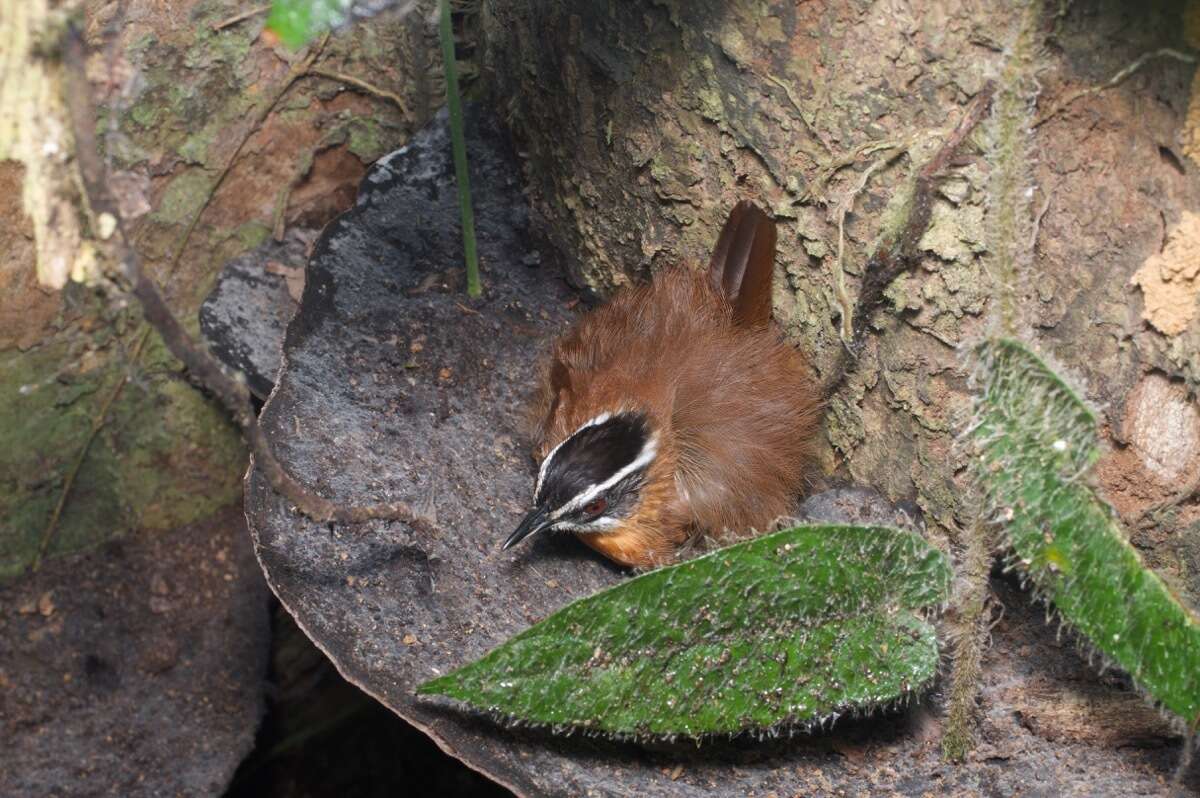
(790, 629)
(297, 22)
(1037, 443)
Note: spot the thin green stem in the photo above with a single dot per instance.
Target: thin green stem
(446, 34)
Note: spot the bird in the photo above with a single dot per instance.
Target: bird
(676, 411)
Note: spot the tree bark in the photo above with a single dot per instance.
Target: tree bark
(212, 151)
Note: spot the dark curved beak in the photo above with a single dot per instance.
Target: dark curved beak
(537, 520)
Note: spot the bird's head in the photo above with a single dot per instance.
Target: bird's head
(593, 480)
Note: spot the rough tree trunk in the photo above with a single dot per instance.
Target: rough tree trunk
(183, 96)
(109, 646)
(643, 122)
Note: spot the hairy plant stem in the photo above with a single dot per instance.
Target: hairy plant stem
(969, 635)
(1010, 124)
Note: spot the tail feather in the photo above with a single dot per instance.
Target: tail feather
(743, 263)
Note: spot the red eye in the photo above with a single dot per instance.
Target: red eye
(595, 506)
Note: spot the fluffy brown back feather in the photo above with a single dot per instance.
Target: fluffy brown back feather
(737, 406)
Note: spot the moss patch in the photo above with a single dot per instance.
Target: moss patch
(165, 456)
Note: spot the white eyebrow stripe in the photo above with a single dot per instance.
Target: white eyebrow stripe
(537, 488)
(649, 450)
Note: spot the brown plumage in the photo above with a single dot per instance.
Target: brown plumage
(728, 410)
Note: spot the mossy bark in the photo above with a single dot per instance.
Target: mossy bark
(643, 122)
(179, 93)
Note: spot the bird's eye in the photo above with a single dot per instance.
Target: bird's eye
(595, 506)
